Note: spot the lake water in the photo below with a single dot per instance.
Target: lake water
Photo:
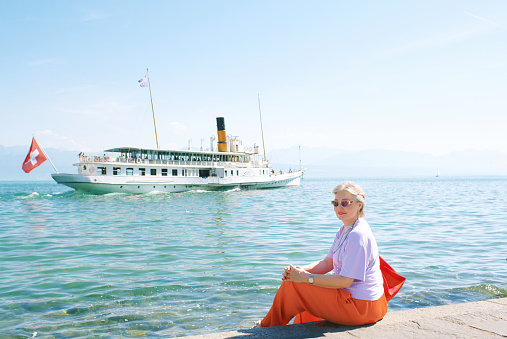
(165, 265)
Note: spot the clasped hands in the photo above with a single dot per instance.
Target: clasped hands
(295, 274)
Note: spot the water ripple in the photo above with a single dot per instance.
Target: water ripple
(163, 265)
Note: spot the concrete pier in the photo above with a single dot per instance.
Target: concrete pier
(482, 319)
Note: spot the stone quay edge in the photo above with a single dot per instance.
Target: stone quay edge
(481, 319)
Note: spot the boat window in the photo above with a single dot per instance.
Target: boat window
(130, 171)
(175, 172)
(204, 173)
(142, 171)
(232, 172)
(116, 170)
(225, 173)
(101, 170)
(153, 171)
(164, 172)
(237, 172)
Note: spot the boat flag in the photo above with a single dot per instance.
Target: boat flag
(34, 158)
(144, 81)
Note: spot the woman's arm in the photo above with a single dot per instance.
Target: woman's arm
(319, 267)
(330, 281)
(297, 274)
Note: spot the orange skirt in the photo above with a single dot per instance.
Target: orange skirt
(312, 303)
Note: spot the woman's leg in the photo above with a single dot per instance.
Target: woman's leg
(335, 305)
(305, 317)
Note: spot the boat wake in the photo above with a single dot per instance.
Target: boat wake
(155, 193)
(197, 191)
(64, 194)
(33, 195)
(236, 189)
(37, 195)
(114, 194)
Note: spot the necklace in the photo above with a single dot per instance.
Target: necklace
(343, 237)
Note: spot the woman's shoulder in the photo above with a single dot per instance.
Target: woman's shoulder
(361, 230)
(361, 225)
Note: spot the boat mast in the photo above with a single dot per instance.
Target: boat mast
(152, 110)
(262, 132)
(300, 157)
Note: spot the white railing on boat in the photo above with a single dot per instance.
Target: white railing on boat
(137, 161)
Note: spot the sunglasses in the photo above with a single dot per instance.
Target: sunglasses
(344, 203)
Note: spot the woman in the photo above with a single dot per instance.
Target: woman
(354, 295)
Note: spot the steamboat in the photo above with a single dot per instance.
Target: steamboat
(139, 170)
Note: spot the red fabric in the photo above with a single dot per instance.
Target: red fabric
(311, 303)
(305, 317)
(392, 280)
(34, 158)
(344, 310)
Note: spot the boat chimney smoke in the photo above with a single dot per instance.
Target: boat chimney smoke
(222, 136)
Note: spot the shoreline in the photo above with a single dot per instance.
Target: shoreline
(487, 318)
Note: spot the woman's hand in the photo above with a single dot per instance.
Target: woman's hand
(295, 274)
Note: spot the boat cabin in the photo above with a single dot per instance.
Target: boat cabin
(186, 163)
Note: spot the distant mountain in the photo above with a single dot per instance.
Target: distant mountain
(319, 162)
(289, 157)
(379, 162)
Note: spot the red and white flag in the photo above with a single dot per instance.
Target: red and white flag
(34, 158)
(144, 81)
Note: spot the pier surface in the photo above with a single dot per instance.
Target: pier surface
(482, 319)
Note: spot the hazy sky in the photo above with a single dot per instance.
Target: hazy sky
(427, 76)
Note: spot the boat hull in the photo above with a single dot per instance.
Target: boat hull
(97, 184)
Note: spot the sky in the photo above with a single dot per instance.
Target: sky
(423, 76)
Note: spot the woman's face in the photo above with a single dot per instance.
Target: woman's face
(348, 215)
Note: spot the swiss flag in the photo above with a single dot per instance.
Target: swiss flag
(34, 158)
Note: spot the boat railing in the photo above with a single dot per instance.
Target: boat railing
(197, 163)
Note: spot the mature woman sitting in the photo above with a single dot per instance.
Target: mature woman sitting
(354, 294)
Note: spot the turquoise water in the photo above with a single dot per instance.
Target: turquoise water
(165, 265)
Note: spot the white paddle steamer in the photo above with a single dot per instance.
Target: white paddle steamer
(138, 170)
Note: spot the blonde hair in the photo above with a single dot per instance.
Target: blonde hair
(356, 191)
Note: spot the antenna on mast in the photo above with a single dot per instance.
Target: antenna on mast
(262, 132)
(300, 157)
(152, 110)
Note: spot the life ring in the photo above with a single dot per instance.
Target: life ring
(91, 169)
(138, 161)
